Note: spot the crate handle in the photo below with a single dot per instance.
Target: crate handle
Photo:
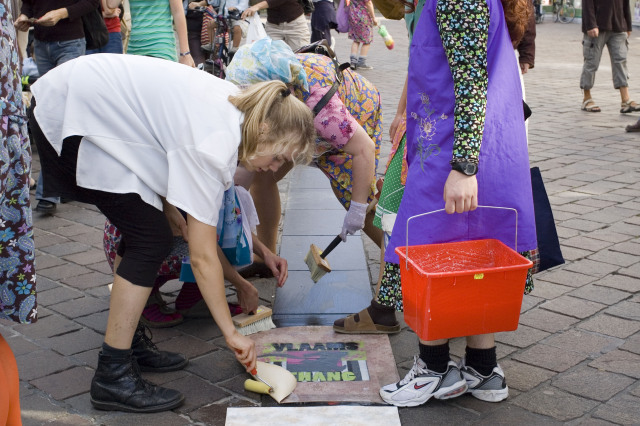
(385, 200)
(406, 259)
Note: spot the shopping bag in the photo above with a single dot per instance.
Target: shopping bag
(256, 30)
(549, 251)
(342, 16)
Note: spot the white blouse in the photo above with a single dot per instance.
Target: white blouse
(149, 126)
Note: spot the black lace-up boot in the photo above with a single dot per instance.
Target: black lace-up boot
(150, 358)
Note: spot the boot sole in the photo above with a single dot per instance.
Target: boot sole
(115, 406)
(166, 369)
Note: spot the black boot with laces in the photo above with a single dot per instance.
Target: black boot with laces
(150, 358)
(118, 386)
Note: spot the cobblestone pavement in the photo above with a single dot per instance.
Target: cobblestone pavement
(575, 358)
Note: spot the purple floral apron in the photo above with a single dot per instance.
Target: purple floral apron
(503, 177)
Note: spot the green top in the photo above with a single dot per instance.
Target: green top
(152, 30)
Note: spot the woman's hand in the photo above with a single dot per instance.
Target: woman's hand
(249, 12)
(247, 296)
(244, 348)
(22, 23)
(460, 193)
(176, 221)
(52, 17)
(187, 60)
(394, 125)
(278, 266)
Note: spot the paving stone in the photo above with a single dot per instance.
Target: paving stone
(46, 239)
(41, 363)
(590, 267)
(19, 345)
(57, 295)
(81, 307)
(44, 261)
(592, 383)
(54, 325)
(573, 306)
(553, 402)
(608, 235)
(44, 284)
(404, 346)
(200, 392)
(632, 344)
(611, 326)
(633, 271)
(67, 248)
(37, 409)
(582, 225)
(156, 419)
(89, 279)
(549, 357)
(216, 414)
(190, 346)
(547, 320)
(205, 329)
(618, 361)
(215, 367)
(568, 278)
(583, 242)
(623, 409)
(71, 420)
(628, 247)
(63, 271)
(523, 337)
(614, 258)
(87, 257)
(67, 383)
(522, 376)
(573, 254)
(529, 302)
(628, 310)
(620, 282)
(93, 239)
(601, 294)
(97, 322)
(585, 342)
(75, 229)
(72, 343)
(548, 290)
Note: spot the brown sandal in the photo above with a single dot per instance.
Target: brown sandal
(361, 323)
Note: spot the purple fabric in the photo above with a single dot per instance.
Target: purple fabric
(503, 177)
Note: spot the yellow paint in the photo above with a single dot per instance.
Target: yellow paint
(256, 386)
(478, 276)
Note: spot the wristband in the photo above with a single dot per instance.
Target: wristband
(185, 53)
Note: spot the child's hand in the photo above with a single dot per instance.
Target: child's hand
(247, 296)
(278, 266)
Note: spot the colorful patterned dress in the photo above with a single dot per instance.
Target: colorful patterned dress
(17, 249)
(357, 102)
(360, 22)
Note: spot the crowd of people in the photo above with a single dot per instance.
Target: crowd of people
(187, 144)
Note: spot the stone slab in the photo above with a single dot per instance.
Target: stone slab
(357, 416)
(330, 366)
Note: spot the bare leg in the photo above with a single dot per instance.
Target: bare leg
(266, 198)
(125, 308)
(237, 36)
(355, 46)
(624, 94)
(587, 95)
(481, 341)
(364, 50)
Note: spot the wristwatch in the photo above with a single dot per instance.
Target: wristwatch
(465, 167)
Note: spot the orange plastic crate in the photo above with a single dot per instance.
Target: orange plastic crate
(462, 289)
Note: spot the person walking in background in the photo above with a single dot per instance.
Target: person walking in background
(18, 287)
(323, 20)
(112, 21)
(152, 30)
(606, 23)
(59, 37)
(362, 19)
(285, 21)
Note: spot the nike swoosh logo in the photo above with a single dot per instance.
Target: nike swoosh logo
(421, 386)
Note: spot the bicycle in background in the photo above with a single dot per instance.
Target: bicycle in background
(220, 45)
(564, 11)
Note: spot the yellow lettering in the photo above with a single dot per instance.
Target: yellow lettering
(333, 376)
(304, 376)
(319, 377)
(348, 376)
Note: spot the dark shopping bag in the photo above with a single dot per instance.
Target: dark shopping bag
(548, 243)
(95, 30)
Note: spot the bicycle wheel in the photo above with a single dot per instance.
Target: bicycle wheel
(567, 13)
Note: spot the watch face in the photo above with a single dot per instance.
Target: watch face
(470, 169)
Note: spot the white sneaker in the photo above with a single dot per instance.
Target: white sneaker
(491, 388)
(421, 384)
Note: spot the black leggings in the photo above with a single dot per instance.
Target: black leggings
(146, 234)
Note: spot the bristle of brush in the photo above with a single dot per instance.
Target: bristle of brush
(317, 265)
(256, 327)
(250, 324)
